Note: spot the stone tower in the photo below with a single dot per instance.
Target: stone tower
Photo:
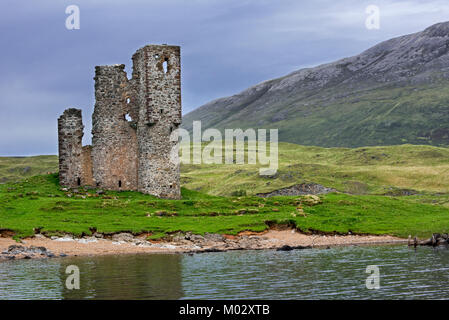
(70, 130)
(132, 124)
(157, 82)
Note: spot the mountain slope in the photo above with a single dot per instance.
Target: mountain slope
(393, 93)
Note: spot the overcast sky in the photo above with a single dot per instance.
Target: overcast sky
(227, 46)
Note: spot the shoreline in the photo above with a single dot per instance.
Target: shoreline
(40, 246)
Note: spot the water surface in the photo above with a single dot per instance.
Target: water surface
(336, 273)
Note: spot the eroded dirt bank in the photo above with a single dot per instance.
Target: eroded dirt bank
(125, 243)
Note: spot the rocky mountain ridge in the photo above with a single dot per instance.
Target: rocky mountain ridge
(388, 87)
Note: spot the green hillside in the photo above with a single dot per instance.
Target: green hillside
(367, 170)
(17, 168)
(416, 114)
(388, 116)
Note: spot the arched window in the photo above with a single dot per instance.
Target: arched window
(165, 65)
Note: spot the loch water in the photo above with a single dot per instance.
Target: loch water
(333, 273)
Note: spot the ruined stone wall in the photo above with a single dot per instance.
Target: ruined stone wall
(87, 178)
(132, 124)
(114, 140)
(158, 91)
(70, 136)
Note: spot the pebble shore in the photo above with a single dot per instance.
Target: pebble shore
(40, 246)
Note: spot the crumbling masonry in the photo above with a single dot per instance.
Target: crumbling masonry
(131, 128)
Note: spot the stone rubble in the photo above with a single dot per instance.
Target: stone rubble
(435, 240)
(22, 252)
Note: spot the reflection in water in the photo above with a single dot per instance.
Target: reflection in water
(337, 273)
(109, 277)
(126, 277)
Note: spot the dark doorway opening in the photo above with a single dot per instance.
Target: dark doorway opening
(79, 181)
(120, 183)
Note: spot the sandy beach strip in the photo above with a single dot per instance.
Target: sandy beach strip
(271, 239)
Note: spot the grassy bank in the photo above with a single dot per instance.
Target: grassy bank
(39, 204)
(367, 180)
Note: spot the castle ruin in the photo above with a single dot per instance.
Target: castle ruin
(131, 128)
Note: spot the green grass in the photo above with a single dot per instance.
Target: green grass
(35, 203)
(38, 204)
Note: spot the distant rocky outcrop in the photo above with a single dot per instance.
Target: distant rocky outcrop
(298, 190)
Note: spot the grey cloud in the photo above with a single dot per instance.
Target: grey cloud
(227, 46)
